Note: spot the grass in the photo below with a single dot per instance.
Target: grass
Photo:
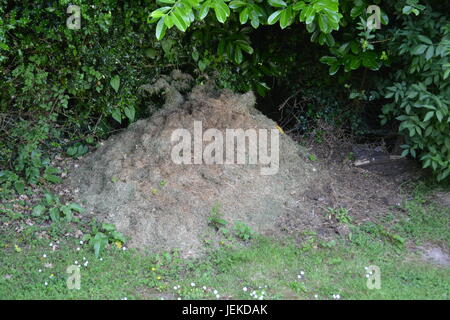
(265, 267)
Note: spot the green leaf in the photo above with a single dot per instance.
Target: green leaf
(130, 112)
(274, 17)
(76, 207)
(178, 20)
(108, 227)
(19, 186)
(238, 57)
(160, 29)
(419, 49)
(38, 210)
(277, 3)
(285, 18)
(428, 116)
(425, 39)
(158, 13)
(430, 53)
(54, 214)
(243, 16)
(323, 23)
(115, 83)
(439, 115)
(204, 9)
(116, 114)
(334, 69)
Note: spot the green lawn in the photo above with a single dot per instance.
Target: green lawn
(267, 268)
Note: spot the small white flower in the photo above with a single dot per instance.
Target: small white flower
(217, 296)
(256, 296)
(263, 292)
(215, 291)
(175, 288)
(51, 244)
(302, 272)
(84, 258)
(81, 241)
(76, 262)
(314, 169)
(204, 287)
(192, 284)
(101, 259)
(179, 299)
(338, 296)
(299, 276)
(40, 270)
(86, 263)
(44, 256)
(261, 297)
(46, 283)
(124, 248)
(78, 249)
(245, 289)
(316, 296)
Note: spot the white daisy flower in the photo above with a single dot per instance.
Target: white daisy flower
(215, 291)
(217, 296)
(192, 284)
(245, 289)
(44, 256)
